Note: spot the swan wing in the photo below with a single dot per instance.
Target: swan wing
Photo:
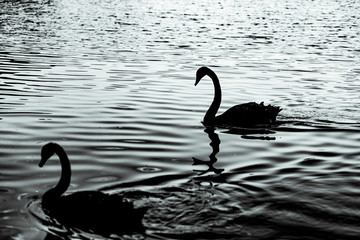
(97, 202)
(249, 114)
(98, 212)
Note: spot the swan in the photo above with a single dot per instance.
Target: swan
(92, 211)
(242, 115)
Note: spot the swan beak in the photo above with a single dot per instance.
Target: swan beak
(42, 162)
(197, 81)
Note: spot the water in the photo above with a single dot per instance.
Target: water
(113, 83)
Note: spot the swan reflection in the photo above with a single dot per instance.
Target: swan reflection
(253, 133)
(91, 211)
(215, 144)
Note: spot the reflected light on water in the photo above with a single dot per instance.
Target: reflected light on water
(113, 83)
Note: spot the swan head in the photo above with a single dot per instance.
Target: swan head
(200, 73)
(46, 152)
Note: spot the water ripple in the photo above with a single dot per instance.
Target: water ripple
(113, 83)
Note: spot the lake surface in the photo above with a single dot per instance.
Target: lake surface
(113, 83)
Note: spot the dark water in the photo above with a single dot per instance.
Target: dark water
(112, 82)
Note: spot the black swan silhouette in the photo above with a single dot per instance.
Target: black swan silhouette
(92, 211)
(242, 115)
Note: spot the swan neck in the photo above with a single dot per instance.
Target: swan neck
(65, 178)
(214, 107)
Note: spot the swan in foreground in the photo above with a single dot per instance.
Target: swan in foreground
(242, 115)
(92, 211)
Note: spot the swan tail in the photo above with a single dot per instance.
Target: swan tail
(273, 112)
(134, 220)
(263, 113)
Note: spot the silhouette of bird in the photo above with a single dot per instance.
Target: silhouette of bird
(92, 211)
(242, 115)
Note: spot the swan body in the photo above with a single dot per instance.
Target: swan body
(242, 115)
(92, 211)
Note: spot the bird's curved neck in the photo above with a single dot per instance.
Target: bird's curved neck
(214, 107)
(65, 178)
